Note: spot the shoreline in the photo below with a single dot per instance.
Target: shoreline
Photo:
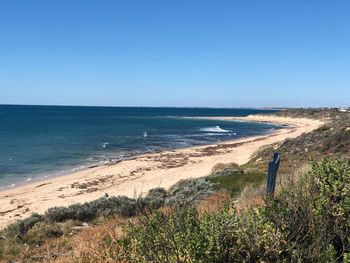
(44, 176)
(137, 175)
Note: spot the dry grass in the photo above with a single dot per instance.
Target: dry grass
(100, 243)
(94, 244)
(214, 203)
(251, 197)
(221, 166)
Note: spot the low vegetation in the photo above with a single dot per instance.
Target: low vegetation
(65, 221)
(308, 221)
(233, 179)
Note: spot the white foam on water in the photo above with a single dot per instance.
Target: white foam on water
(214, 129)
(215, 134)
(145, 135)
(104, 145)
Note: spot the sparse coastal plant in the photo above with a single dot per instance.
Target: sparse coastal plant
(308, 220)
(58, 220)
(105, 206)
(155, 198)
(182, 235)
(189, 191)
(233, 181)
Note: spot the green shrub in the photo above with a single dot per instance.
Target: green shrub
(332, 183)
(42, 231)
(189, 191)
(323, 128)
(307, 221)
(337, 142)
(21, 227)
(13, 237)
(182, 236)
(312, 213)
(120, 205)
(234, 181)
(155, 198)
(9, 247)
(257, 239)
(331, 180)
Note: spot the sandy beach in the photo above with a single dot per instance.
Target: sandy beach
(136, 176)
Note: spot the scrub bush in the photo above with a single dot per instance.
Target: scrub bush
(307, 221)
(189, 191)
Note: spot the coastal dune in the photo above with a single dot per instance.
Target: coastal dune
(136, 176)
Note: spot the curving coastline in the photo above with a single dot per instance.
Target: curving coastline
(138, 175)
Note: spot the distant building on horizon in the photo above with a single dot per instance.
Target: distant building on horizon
(342, 109)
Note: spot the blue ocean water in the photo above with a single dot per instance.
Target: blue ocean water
(41, 141)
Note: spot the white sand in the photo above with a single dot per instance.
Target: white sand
(133, 177)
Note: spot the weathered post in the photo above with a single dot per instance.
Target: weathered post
(271, 174)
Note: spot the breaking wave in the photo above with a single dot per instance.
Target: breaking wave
(214, 129)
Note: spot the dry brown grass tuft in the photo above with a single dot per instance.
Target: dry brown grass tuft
(166, 210)
(213, 203)
(96, 244)
(250, 197)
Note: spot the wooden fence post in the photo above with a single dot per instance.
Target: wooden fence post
(271, 174)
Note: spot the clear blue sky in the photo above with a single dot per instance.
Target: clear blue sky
(175, 52)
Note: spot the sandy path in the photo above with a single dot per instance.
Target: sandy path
(142, 173)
